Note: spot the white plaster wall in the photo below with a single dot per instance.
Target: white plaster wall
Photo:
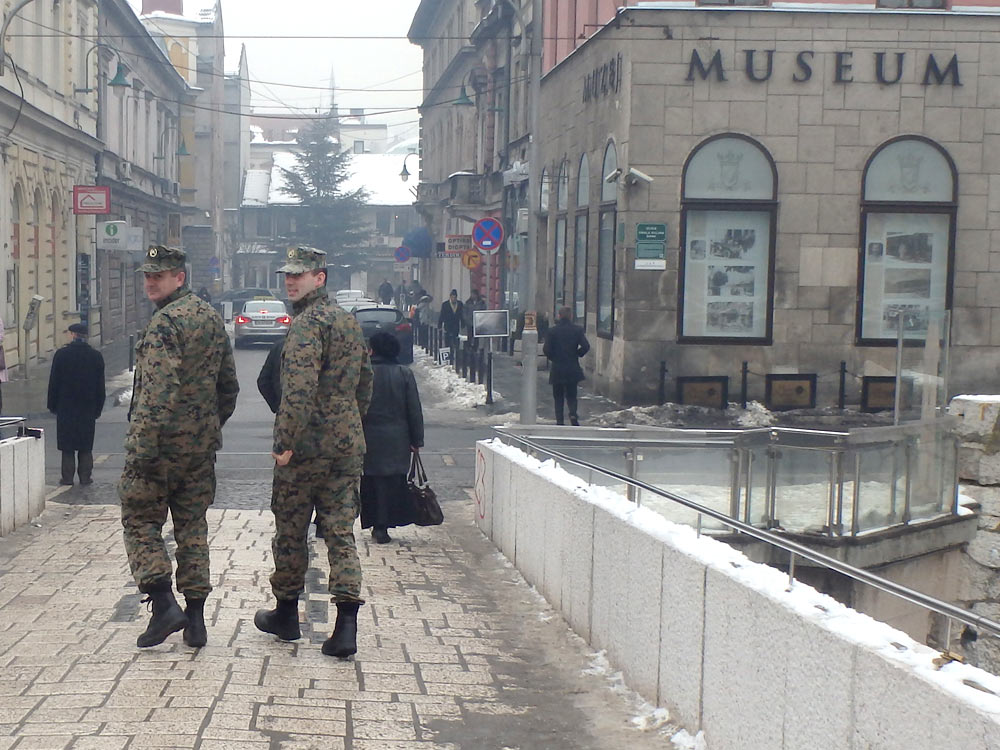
(724, 646)
(22, 482)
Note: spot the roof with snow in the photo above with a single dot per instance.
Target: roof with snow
(376, 173)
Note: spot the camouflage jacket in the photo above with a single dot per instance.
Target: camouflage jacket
(326, 382)
(185, 381)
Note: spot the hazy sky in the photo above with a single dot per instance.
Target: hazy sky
(376, 74)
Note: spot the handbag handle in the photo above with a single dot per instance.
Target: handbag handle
(416, 470)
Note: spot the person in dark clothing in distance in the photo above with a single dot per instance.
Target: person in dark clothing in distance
(394, 428)
(76, 396)
(565, 343)
(269, 379)
(450, 319)
(385, 292)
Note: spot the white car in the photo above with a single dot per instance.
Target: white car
(260, 320)
(343, 295)
(355, 302)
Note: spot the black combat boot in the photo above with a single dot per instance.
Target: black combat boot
(282, 621)
(344, 640)
(195, 634)
(167, 618)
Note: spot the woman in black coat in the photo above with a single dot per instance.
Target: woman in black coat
(394, 428)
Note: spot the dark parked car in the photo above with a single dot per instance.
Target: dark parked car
(260, 320)
(375, 318)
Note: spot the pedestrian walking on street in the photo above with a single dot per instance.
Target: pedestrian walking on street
(3, 365)
(475, 302)
(385, 292)
(76, 397)
(450, 319)
(319, 446)
(394, 429)
(184, 391)
(565, 343)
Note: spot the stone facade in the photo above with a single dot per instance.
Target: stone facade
(820, 133)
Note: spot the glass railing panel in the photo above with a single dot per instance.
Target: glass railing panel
(702, 475)
(753, 478)
(881, 490)
(932, 474)
(801, 489)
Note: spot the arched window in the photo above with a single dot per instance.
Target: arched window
(559, 250)
(730, 188)
(580, 241)
(607, 215)
(908, 207)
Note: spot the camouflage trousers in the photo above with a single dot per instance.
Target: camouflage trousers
(185, 487)
(331, 488)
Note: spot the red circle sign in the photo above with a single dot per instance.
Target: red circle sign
(487, 234)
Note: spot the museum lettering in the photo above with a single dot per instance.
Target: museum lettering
(881, 67)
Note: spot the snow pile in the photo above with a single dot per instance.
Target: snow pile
(455, 389)
(648, 718)
(755, 415)
(684, 741)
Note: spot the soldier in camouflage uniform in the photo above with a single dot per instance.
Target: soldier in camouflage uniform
(185, 389)
(319, 446)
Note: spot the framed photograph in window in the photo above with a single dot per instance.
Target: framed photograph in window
(783, 392)
(703, 390)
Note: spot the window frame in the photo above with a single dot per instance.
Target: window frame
(581, 259)
(938, 208)
(768, 206)
(607, 206)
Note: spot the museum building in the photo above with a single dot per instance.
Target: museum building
(786, 187)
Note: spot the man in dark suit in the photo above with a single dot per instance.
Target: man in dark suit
(76, 397)
(450, 319)
(565, 343)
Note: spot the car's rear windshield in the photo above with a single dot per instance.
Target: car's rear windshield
(259, 306)
(376, 316)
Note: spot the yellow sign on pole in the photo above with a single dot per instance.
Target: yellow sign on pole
(472, 259)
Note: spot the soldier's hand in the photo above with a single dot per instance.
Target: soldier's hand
(282, 458)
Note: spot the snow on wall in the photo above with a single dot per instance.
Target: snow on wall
(696, 626)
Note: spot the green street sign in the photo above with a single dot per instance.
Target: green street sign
(650, 233)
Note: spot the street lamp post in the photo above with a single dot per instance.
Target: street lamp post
(529, 336)
(3, 31)
(404, 175)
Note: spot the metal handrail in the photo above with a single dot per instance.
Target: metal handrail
(793, 548)
(11, 421)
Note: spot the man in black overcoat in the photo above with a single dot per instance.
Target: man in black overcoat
(565, 343)
(450, 319)
(76, 397)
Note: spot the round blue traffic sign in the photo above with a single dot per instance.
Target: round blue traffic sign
(402, 254)
(487, 234)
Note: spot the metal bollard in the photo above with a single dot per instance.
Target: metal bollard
(743, 384)
(842, 396)
(131, 352)
(482, 367)
(489, 378)
(464, 369)
(471, 356)
(661, 393)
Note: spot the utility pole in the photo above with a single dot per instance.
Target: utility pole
(529, 336)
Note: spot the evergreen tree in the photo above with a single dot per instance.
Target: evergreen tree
(329, 218)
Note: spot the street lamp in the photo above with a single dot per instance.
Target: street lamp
(3, 30)
(118, 81)
(405, 174)
(181, 146)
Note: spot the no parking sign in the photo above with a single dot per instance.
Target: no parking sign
(487, 235)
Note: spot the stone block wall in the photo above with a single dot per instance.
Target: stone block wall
(696, 627)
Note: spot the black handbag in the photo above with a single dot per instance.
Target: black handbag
(426, 510)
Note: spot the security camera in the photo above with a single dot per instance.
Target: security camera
(612, 176)
(634, 177)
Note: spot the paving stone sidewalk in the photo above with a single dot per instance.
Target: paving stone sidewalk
(455, 651)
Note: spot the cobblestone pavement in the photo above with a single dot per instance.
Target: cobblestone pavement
(455, 651)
